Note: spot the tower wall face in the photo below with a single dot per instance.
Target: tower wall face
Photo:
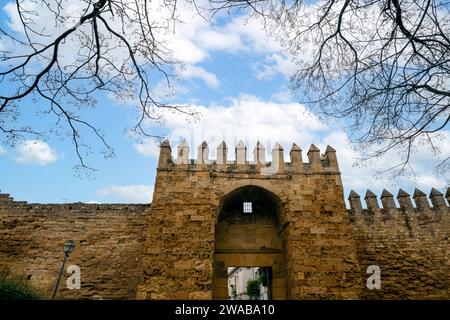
(318, 252)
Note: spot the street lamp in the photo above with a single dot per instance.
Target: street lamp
(68, 248)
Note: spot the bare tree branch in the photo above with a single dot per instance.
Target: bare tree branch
(381, 65)
(117, 51)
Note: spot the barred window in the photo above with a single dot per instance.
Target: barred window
(248, 207)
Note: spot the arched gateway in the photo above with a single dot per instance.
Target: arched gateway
(286, 217)
(249, 234)
(283, 223)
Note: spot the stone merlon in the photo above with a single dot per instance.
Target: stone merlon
(422, 208)
(327, 163)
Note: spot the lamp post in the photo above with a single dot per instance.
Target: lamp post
(68, 248)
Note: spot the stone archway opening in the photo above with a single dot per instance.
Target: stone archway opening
(249, 234)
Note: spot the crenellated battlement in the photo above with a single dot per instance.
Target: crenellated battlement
(317, 163)
(408, 241)
(181, 246)
(404, 199)
(5, 197)
(405, 213)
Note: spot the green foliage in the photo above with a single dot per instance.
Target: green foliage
(14, 289)
(263, 278)
(253, 288)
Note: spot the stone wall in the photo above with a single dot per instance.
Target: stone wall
(180, 259)
(181, 247)
(109, 240)
(410, 244)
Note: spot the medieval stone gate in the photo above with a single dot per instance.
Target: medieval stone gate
(208, 215)
(298, 224)
(249, 238)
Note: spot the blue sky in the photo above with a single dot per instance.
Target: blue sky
(236, 77)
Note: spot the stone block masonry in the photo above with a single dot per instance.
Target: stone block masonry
(108, 238)
(192, 238)
(410, 244)
(181, 246)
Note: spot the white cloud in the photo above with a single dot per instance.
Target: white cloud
(2, 150)
(45, 22)
(284, 95)
(191, 41)
(187, 51)
(136, 193)
(246, 118)
(220, 40)
(250, 119)
(148, 147)
(253, 36)
(276, 63)
(360, 178)
(197, 72)
(35, 152)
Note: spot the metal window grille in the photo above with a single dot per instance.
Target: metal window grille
(248, 207)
